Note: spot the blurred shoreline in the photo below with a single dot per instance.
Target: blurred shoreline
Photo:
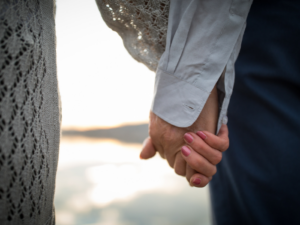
(127, 133)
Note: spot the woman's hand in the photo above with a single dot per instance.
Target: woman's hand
(202, 153)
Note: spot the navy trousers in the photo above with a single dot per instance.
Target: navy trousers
(258, 180)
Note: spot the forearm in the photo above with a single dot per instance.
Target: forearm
(203, 42)
(208, 118)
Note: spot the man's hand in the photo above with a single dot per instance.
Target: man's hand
(168, 139)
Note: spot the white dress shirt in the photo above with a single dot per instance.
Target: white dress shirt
(203, 42)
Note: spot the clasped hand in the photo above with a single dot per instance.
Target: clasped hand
(192, 152)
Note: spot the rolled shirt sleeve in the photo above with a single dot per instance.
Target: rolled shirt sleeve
(203, 42)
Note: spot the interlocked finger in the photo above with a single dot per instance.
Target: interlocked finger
(180, 165)
(212, 155)
(198, 162)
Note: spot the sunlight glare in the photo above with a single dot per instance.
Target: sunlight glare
(120, 174)
(101, 84)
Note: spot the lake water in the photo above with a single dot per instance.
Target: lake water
(103, 182)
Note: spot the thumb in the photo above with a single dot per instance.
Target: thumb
(148, 150)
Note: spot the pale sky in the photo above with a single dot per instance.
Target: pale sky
(101, 85)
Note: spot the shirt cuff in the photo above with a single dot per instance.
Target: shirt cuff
(177, 101)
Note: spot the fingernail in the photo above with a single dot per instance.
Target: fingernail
(185, 151)
(189, 138)
(225, 120)
(196, 181)
(201, 134)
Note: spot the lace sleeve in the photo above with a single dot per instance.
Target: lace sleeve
(142, 24)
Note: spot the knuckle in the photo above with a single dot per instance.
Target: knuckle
(197, 164)
(217, 158)
(227, 144)
(212, 171)
(224, 145)
(179, 171)
(199, 145)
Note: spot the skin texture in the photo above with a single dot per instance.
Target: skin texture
(168, 140)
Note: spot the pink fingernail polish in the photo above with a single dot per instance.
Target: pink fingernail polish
(189, 138)
(201, 134)
(185, 151)
(196, 181)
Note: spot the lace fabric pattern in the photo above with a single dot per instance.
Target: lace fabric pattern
(29, 112)
(142, 24)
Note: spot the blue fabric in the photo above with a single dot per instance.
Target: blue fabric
(258, 180)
